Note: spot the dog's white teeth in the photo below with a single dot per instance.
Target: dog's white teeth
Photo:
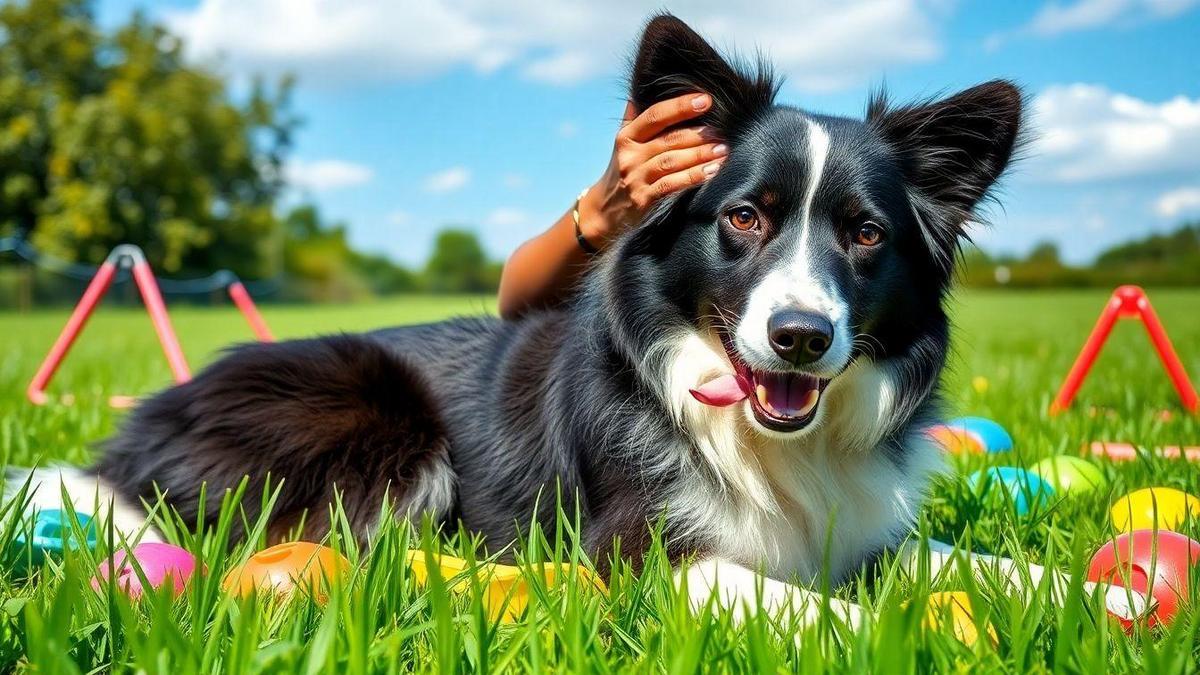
(810, 402)
(761, 392)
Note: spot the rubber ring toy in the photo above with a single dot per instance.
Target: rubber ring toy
(284, 567)
(1130, 559)
(993, 436)
(1070, 475)
(1160, 508)
(51, 533)
(1026, 489)
(162, 564)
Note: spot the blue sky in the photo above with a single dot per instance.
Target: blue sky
(494, 115)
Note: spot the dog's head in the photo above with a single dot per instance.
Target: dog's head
(821, 240)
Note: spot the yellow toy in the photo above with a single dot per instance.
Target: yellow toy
(500, 582)
(1160, 508)
(955, 606)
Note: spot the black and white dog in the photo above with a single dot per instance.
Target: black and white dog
(755, 364)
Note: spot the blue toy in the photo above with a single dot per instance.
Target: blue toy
(1026, 489)
(53, 531)
(994, 437)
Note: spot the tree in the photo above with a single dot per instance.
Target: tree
(459, 264)
(108, 138)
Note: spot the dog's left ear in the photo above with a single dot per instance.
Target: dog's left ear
(952, 152)
(672, 60)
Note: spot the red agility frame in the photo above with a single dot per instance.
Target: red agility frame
(1127, 302)
(130, 256)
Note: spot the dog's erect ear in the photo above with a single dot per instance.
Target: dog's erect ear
(951, 151)
(673, 59)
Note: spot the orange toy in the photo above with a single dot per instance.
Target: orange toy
(284, 567)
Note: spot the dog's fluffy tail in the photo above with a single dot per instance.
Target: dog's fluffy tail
(53, 486)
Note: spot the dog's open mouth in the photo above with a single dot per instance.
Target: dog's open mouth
(781, 401)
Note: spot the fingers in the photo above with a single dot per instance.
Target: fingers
(680, 180)
(683, 137)
(665, 114)
(675, 161)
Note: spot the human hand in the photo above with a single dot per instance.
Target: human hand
(648, 163)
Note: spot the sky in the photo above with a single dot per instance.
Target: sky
(493, 115)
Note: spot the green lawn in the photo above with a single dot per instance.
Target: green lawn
(378, 620)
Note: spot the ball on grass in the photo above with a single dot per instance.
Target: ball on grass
(1153, 563)
(285, 567)
(1026, 490)
(1066, 474)
(1161, 508)
(993, 436)
(161, 564)
(954, 608)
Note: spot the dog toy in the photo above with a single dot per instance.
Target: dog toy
(1069, 474)
(284, 567)
(52, 532)
(1148, 561)
(1161, 508)
(971, 435)
(1026, 489)
(956, 440)
(1125, 452)
(505, 589)
(162, 565)
(955, 607)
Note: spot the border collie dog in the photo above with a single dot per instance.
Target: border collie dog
(755, 363)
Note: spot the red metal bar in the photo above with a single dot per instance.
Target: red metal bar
(1166, 353)
(241, 298)
(96, 289)
(144, 276)
(1087, 356)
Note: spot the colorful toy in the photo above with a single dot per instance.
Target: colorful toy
(283, 567)
(1125, 452)
(502, 583)
(956, 440)
(162, 564)
(53, 531)
(1127, 302)
(992, 435)
(1028, 491)
(1069, 474)
(1151, 562)
(1161, 508)
(955, 606)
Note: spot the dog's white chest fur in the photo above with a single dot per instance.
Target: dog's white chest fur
(789, 502)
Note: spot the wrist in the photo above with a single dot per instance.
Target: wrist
(593, 224)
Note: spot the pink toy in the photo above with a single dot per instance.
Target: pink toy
(161, 563)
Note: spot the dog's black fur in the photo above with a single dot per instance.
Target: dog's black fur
(471, 419)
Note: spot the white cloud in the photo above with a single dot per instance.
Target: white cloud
(1085, 132)
(399, 218)
(1055, 18)
(326, 174)
(1174, 203)
(515, 181)
(820, 44)
(447, 180)
(506, 217)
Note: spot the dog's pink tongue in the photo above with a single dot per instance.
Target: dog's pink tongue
(723, 391)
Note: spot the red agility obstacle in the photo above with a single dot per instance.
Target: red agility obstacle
(130, 256)
(1127, 302)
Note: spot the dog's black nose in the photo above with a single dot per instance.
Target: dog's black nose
(798, 336)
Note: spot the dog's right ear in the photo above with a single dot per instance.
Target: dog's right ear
(673, 60)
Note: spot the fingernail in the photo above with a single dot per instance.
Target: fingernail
(700, 102)
(719, 150)
(710, 169)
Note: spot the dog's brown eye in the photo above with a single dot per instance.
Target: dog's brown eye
(868, 234)
(742, 218)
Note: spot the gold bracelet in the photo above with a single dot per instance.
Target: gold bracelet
(583, 242)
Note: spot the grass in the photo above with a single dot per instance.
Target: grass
(1012, 351)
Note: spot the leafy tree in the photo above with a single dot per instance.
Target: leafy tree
(459, 264)
(111, 137)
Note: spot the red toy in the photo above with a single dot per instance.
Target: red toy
(1127, 302)
(128, 255)
(1130, 559)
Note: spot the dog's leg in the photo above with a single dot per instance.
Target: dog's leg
(745, 591)
(1125, 603)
